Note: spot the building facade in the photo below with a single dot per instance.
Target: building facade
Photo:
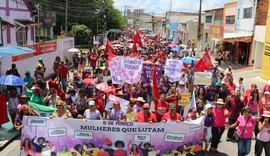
(178, 23)
(213, 20)
(17, 22)
(259, 33)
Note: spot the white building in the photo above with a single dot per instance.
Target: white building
(17, 20)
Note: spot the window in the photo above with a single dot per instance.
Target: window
(206, 38)
(238, 14)
(208, 19)
(21, 36)
(230, 19)
(248, 12)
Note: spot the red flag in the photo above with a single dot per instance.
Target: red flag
(155, 83)
(111, 56)
(158, 37)
(204, 63)
(109, 47)
(134, 47)
(137, 39)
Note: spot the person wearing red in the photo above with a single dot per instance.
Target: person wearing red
(146, 115)
(172, 115)
(3, 110)
(60, 92)
(63, 75)
(93, 60)
(52, 83)
(161, 106)
(173, 96)
(231, 86)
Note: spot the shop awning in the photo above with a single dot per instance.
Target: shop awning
(25, 22)
(6, 23)
(237, 37)
(8, 51)
(215, 39)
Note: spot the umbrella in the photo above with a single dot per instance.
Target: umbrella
(189, 60)
(11, 80)
(73, 50)
(172, 45)
(175, 49)
(89, 82)
(101, 47)
(117, 45)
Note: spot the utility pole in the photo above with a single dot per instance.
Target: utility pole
(153, 22)
(125, 15)
(66, 18)
(199, 22)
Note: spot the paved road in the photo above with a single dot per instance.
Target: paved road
(226, 148)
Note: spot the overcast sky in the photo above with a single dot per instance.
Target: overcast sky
(161, 6)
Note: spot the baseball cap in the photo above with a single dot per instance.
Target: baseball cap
(266, 93)
(23, 107)
(116, 102)
(91, 103)
(146, 105)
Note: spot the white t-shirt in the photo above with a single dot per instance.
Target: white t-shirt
(239, 88)
(92, 115)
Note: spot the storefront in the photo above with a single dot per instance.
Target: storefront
(238, 47)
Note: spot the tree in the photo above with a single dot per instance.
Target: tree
(81, 33)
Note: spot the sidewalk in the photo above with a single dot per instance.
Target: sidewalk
(7, 135)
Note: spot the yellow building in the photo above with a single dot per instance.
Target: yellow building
(265, 68)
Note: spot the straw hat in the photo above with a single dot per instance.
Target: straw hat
(220, 101)
(266, 114)
(140, 99)
(35, 87)
(120, 93)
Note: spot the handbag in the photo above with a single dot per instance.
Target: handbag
(236, 136)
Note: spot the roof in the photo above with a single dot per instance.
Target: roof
(26, 22)
(7, 51)
(6, 23)
(213, 9)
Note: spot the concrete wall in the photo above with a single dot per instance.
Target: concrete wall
(11, 11)
(258, 44)
(30, 63)
(230, 9)
(245, 24)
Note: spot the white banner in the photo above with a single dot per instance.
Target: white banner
(202, 78)
(123, 103)
(131, 70)
(173, 69)
(115, 66)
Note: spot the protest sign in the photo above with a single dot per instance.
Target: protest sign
(131, 70)
(173, 69)
(202, 78)
(147, 73)
(185, 99)
(69, 135)
(115, 66)
(123, 103)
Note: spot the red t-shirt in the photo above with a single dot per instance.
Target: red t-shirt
(141, 118)
(160, 108)
(63, 70)
(61, 94)
(231, 87)
(167, 116)
(52, 83)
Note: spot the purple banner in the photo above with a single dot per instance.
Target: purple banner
(147, 73)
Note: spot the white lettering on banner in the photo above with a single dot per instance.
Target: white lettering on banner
(174, 137)
(195, 127)
(173, 69)
(36, 122)
(202, 78)
(84, 135)
(56, 132)
(131, 70)
(142, 137)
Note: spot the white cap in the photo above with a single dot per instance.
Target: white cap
(207, 106)
(91, 103)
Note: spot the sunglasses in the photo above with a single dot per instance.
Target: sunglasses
(146, 108)
(58, 105)
(246, 111)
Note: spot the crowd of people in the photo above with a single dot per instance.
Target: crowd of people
(224, 102)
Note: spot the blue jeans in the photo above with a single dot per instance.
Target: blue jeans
(64, 83)
(244, 146)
